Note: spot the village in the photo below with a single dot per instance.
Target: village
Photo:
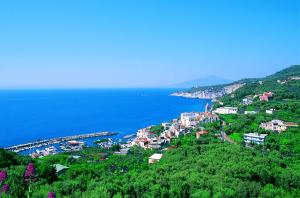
(189, 120)
(159, 140)
(159, 137)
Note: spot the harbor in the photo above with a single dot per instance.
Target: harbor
(58, 140)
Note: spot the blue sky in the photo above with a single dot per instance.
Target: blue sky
(143, 43)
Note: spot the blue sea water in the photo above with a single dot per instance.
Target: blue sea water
(27, 115)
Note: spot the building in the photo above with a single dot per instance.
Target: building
(226, 110)
(199, 133)
(266, 96)
(250, 112)
(295, 78)
(291, 124)
(254, 138)
(123, 151)
(209, 117)
(142, 142)
(60, 169)
(247, 101)
(270, 111)
(274, 125)
(189, 119)
(72, 145)
(144, 133)
(155, 158)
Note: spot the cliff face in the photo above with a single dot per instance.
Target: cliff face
(210, 92)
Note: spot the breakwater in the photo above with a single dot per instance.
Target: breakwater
(46, 142)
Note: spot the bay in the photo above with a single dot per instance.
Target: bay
(28, 115)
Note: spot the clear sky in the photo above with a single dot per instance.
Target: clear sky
(143, 43)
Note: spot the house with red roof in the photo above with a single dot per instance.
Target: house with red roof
(266, 96)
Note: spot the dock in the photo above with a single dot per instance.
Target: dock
(46, 142)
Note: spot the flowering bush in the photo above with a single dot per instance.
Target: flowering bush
(5, 188)
(3, 176)
(30, 172)
(51, 195)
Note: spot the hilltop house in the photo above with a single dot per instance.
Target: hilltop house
(254, 138)
(266, 96)
(226, 110)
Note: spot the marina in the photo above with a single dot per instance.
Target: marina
(40, 143)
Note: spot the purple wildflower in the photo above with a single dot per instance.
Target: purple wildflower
(51, 195)
(5, 188)
(30, 172)
(3, 176)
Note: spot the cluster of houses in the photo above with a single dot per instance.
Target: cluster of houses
(266, 96)
(72, 145)
(39, 153)
(148, 140)
(248, 100)
(289, 79)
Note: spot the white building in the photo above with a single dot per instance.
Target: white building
(189, 119)
(270, 111)
(274, 125)
(254, 138)
(154, 158)
(250, 112)
(226, 110)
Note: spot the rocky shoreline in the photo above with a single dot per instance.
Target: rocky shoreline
(209, 93)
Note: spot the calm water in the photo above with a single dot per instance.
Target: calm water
(27, 115)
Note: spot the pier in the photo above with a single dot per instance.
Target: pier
(46, 142)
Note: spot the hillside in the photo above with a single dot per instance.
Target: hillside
(204, 167)
(205, 81)
(291, 71)
(216, 91)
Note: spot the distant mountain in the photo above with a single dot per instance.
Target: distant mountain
(206, 81)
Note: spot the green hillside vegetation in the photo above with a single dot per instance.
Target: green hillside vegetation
(205, 167)
(217, 88)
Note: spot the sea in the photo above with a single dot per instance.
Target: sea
(30, 115)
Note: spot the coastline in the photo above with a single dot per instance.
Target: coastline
(209, 92)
